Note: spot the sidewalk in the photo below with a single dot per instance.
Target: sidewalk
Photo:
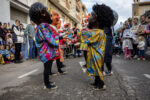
(73, 86)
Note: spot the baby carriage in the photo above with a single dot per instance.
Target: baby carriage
(68, 49)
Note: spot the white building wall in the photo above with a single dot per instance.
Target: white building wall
(4, 11)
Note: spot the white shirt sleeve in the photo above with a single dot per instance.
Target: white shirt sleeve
(16, 31)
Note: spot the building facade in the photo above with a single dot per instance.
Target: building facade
(71, 11)
(140, 7)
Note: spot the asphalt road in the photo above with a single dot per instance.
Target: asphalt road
(16, 74)
(135, 75)
(25, 82)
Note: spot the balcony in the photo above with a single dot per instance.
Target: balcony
(78, 17)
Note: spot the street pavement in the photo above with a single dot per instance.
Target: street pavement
(25, 82)
(135, 76)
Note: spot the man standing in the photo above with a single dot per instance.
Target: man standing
(30, 32)
(1, 32)
(18, 41)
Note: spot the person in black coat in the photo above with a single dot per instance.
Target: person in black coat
(2, 35)
(108, 50)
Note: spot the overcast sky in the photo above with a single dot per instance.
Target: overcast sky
(122, 7)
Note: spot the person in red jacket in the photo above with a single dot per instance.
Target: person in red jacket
(55, 20)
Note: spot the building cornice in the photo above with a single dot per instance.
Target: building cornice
(63, 9)
(19, 5)
(144, 3)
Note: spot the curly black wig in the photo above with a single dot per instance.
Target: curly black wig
(35, 12)
(105, 15)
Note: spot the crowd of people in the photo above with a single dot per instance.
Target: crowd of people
(133, 39)
(14, 42)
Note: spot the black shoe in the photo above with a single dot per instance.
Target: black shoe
(63, 66)
(53, 74)
(51, 87)
(100, 87)
(93, 84)
(62, 72)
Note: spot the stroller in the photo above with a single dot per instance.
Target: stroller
(68, 50)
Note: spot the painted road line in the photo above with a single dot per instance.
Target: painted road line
(26, 74)
(147, 75)
(81, 64)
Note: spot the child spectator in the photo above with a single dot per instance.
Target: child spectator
(9, 33)
(1, 57)
(117, 46)
(127, 47)
(9, 41)
(5, 53)
(12, 50)
(141, 47)
(11, 55)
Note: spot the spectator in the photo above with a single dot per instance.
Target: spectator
(108, 50)
(30, 31)
(2, 36)
(134, 30)
(127, 43)
(142, 30)
(141, 47)
(75, 41)
(9, 40)
(5, 28)
(9, 52)
(1, 56)
(1, 41)
(148, 31)
(24, 48)
(5, 53)
(9, 33)
(12, 49)
(12, 52)
(18, 41)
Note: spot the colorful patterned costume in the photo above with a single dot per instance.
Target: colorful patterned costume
(81, 36)
(96, 41)
(47, 43)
